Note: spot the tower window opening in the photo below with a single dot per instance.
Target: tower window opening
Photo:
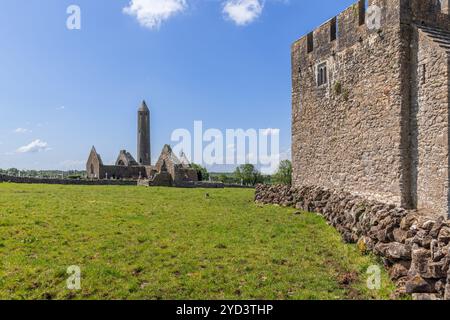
(424, 74)
(362, 11)
(333, 29)
(322, 74)
(310, 42)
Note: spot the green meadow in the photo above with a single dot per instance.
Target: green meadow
(167, 243)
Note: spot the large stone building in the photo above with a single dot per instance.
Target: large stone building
(371, 91)
(169, 170)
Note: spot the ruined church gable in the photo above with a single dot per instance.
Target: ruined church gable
(126, 159)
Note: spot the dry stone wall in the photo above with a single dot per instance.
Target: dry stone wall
(163, 180)
(4, 178)
(414, 248)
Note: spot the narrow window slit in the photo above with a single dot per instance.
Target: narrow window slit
(322, 74)
(362, 12)
(333, 29)
(310, 42)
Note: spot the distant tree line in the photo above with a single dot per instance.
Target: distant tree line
(52, 174)
(249, 175)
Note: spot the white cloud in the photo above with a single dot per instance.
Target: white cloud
(243, 12)
(152, 13)
(33, 147)
(61, 108)
(22, 130)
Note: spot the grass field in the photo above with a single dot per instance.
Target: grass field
(163, 243)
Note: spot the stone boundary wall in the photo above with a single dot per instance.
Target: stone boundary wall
(194, 184)
(414, 248)
(197, 184)
(237, 186)
(4, 178)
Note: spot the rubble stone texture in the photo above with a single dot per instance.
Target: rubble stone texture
(379, 125)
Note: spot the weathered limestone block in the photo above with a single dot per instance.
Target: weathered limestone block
(419, 261)
(444, 235)
(407, 222)
(435, 270)
(398, 251)
(400, 235)
(417, 284)
(422, 239)
(398, 271)
(434, 232)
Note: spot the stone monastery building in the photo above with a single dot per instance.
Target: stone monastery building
(169, 170)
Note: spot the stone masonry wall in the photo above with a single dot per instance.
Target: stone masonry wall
(4, 178)
(122, 172)
(414, 248)
(429, 124)
(349, 131)
(374, 128)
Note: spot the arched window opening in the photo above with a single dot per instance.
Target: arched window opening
(322, 74)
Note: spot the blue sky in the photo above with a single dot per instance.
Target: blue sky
(226, 63)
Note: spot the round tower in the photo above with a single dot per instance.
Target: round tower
(143, 147)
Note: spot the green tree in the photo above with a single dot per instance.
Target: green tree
(224, 178)
(203, 174)
(248, 175)
(238, 175)
(32, 173)
(284, 173)
(13, 172)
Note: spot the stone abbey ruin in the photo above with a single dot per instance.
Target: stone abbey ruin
(169, 170)
(371, 104)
